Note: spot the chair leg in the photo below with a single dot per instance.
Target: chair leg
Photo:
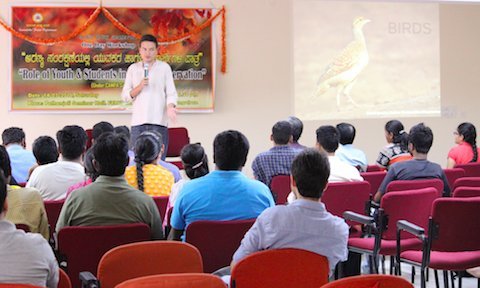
(383, 265)
(452, 279)
(437, 283)
(422, 278)
(445, 279)
(392, 264)
(428, 274)
(413, 275)
(459, 279)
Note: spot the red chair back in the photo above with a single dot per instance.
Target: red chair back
(471, 169)
(370, 281)
(280, 268)
(375, 179)
(64, 280)
(374, 168)
(184, 280)
(401, 185)
(466, 182)
(453, 174)
(53, 208)
(280, 187)
(217, 241)
(458, 225)
(411, 205)
(83, 246)
(346, 196)
(89, 137)
(464, 192)
(177, 138)
(161, 202)
(23, 227)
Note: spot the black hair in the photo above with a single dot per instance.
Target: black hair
(281, 132)
(399, 135)
(147, 149)
(45, 150)
(5, 164)
(469, 133)
(310, 170)
(13, 135)
(88, 164)
(3, 190)
(327, 137)
(101, 127)
(297, 127)
(194, 160)
(421, 138)
(346, 133)
(148, 38)
(230, 150)
(72, 141)
(122, 130)
(111, 154)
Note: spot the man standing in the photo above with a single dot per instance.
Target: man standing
(149, 85)
(14, 140)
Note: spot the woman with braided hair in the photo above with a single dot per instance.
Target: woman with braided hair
(466, 150)
(147, 175)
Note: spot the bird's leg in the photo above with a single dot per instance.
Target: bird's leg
(339, 94)
(346, 91)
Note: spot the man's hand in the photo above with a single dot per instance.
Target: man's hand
(172, 113)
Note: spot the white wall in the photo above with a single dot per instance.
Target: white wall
(257, 90)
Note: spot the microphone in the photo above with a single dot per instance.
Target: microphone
(145, 71)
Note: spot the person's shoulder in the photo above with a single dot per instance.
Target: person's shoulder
(256, 185)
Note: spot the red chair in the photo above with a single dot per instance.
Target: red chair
(453, 174)
(53, 209)
(16, 285)
(161, 202)
(23, 227)
(280, 268)
(280, 187)
(402, 185)
(81, 247)
(471, 169)
(412, 205)
(89, 137)
(452, 242)
(64, 280)
(177, 138)
(464, 192)
(184, 280)
(370, 281)
(374, 168)
(217, 241)
(466, 182)
(375, 179)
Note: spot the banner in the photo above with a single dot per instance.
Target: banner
(87, 72)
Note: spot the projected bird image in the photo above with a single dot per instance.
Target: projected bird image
(344, 69)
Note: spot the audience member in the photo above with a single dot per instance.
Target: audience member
(223, 194)
(147, 175)
(100, 128)
(420, 141)
(305, 223)
(346, 151)
(110, 200)
(25, 204)
(26, 258)
(297, 129)
(21, 159)
(396, 149)
(54, 179)
(45, 151)
(277, 160)
(90, 173)
(466, 150)
(125, 131)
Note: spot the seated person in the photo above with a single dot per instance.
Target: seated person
(396, 150)
(25, 204)
(90, 173)
(466, 150)
(100, 128)
(297, 129)
(277, 160)
(305, 223)
(45, 151)
(420, 141)
(53, 180)
(26, 258)
(224, 194)
(147, 175)
(21, 159)
(110, 200)
(346, 152)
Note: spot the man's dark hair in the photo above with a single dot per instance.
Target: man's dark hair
(421, 138)
(13, 135)
(111, 154)
(5, 162)
(101, 127)
(45, 150)
(149, 38)
(230, 149)
(72, 141)
(3, 190)
(327, 137)
(297, 127)
(346, 133)
(122, 130)
(281, 132)
(310, 170)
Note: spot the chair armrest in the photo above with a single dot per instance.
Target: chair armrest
(88, 280)
(410, 228)
(352, 216)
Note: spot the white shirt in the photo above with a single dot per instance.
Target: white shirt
(150, 106)
(53, 180)
(26, 258)
(342, 172)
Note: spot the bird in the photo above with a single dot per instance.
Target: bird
(345, 67)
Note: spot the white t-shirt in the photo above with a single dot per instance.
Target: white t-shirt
(53, 180)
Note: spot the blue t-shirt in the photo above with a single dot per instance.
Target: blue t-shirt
(21, 161)
(220, 195)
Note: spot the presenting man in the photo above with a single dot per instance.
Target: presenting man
(149, 86)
